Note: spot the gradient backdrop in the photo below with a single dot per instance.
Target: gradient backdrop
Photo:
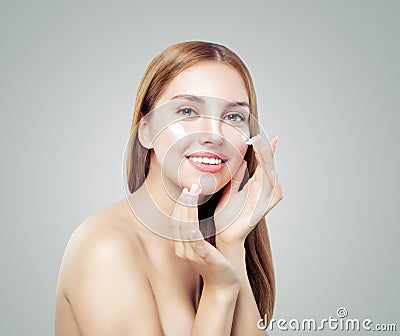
(327, 78)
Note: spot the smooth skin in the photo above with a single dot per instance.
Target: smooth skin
(100, 255)
(223, 268)
(119, 278)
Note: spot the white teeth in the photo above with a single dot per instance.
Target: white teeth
(205, 160)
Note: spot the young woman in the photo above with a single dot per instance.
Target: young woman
(122, 273)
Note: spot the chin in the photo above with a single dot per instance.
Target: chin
(208, 183)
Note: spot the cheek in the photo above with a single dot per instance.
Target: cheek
(242, 147)
(164, 141)
(236, 141)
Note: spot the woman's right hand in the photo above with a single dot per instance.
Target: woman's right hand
(217, 272)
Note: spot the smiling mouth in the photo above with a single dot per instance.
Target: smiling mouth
(206, 160)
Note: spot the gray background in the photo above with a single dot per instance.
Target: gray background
(327, 78)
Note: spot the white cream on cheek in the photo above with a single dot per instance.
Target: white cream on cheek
(177, 129)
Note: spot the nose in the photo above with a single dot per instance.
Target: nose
(210, 131)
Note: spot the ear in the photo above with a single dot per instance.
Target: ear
(144, 133)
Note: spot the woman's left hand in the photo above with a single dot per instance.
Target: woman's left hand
(238, 212)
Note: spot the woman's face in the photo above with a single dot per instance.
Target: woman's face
(199, 128)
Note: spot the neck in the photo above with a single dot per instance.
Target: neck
(163, 193)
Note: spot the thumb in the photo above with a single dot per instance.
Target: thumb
(185, 213)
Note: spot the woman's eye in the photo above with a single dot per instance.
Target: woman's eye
(234, 117)
(187, 112)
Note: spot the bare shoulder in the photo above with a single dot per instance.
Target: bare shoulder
(105, 234)
(103, 277)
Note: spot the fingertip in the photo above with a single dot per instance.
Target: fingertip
(189, 198)
(252, 140)
(179, 250)
(275, 141)
(195, 189)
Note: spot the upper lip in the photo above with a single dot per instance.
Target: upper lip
(209, 155)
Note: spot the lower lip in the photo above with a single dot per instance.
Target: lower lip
(207, 168)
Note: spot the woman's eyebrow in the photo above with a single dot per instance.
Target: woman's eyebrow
(188, 97)
(239, 103)
(200, 100)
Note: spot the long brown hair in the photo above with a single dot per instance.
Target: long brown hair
(160, 72)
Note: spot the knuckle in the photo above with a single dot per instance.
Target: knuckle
(180, 253)
(202, 251)
(181, 226)
(204, 254)
(190, 256)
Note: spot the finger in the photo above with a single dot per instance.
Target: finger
(184, 214)
(263, 154)
(234, 184)
(262, 211)
(193, 199)
(199, 245)
(206, 253)
(265, 161)
(192, 222)
(262, 183)
(273, 143)
(277, 195)
(186, 207)
(237, 179)
(177, 215)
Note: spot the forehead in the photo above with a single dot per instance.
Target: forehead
(207, 79)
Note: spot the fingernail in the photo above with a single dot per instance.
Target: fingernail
(251, 140)
(185, 191)
(194, 189)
